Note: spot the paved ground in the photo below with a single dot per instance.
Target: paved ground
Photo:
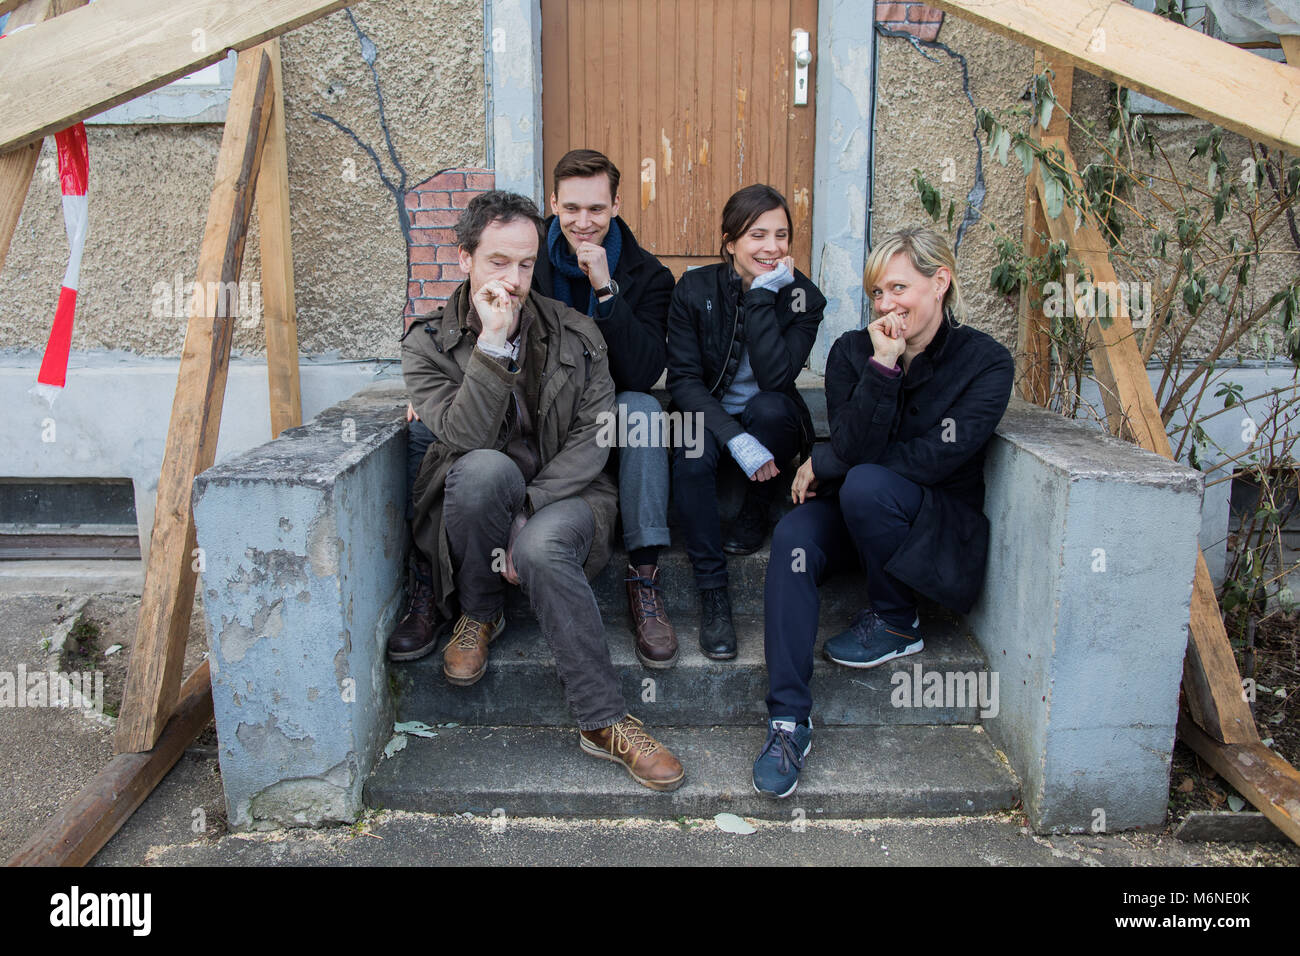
(47, 754)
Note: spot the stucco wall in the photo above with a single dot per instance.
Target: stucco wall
(150, 187)
(150, 184)
(923, 120)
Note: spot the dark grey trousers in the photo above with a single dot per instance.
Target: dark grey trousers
(484, 492)
(642, 476)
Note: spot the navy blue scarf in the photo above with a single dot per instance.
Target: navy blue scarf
(566, 266)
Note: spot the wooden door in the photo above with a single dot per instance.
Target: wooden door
(691, 99)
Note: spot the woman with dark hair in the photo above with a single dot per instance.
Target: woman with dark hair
(913, 400)
(739, 333)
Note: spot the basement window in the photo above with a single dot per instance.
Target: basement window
(68, 518)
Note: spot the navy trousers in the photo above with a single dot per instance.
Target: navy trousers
(863, 527)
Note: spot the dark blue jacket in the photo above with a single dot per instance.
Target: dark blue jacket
(932, 426)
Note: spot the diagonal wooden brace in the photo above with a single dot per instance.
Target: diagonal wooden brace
(168, 599)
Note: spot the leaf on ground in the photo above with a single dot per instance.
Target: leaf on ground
(1187, 786)
(416, 728)
(1236, 803)
(730, 823)
(397, 743)
(109, 652)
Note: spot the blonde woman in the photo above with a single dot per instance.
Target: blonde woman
(898, 490)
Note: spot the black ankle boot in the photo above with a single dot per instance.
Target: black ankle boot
(745, 535)
(717, 636)
(419, 631)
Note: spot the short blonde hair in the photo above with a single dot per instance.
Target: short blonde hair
(927, 250)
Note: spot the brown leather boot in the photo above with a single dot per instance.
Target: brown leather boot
(656, 639)
(466, 657)
(649, 762)
(420, 629)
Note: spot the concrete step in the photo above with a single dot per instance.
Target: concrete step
(521, 687)
(528, 771)
(841, 594)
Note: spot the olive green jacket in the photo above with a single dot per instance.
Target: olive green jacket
(464, 396)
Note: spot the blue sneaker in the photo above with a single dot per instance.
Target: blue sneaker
(776, 771)
(870, 641)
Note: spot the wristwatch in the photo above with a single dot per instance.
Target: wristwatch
(611, 289)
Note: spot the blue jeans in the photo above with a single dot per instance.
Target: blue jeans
(642, 479)
(864, 526)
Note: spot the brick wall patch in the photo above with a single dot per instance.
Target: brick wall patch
(915, 18)
(433, 271)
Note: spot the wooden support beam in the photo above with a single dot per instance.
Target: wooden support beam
(1126, 391)
(80, 829)
(1258, 98)
(277, 264)
(1033, 344)
(18, 165)
(1291, 50)
(168, 596)
(16, 169)
(91, 59)
(1268, 781)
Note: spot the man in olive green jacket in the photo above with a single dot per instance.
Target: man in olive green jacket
(515, 388)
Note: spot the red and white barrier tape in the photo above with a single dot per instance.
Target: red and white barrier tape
(74, 173)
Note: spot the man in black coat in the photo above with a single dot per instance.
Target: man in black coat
(593, 263)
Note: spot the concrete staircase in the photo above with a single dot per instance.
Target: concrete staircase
(509, 742)
(303, 538)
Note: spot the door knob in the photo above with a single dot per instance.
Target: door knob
(802, 57)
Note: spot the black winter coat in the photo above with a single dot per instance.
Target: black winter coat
(635, 330)
(704, 351)
(931, 425)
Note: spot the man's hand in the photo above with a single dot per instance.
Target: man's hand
(593, 261)
(766, 471)
(496, 311)
(888, 339)
(411, 416)
(510, 574)
(804, 482)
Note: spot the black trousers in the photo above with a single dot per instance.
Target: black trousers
(771, 417)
